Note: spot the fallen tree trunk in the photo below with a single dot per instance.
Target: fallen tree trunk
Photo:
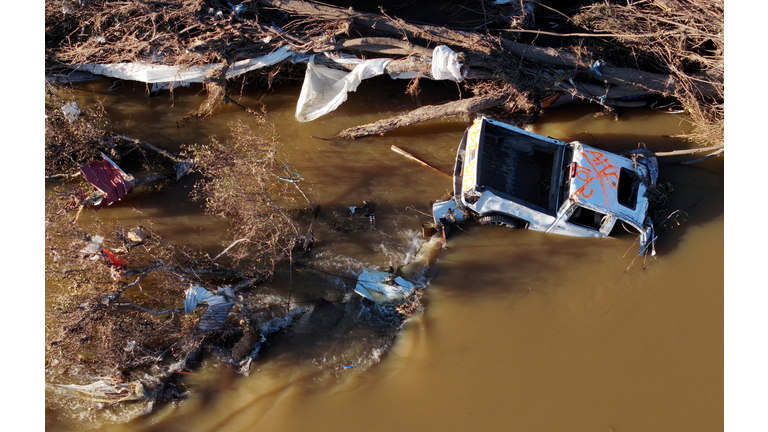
(642, 80)
(408, 64)
(627, 50)
(429, 112)
(383, 45)
(488, 57)
(385, 24)
(474, 42)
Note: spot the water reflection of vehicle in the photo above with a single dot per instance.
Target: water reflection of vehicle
(507, 176)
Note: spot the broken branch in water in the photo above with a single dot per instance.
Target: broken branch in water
(397, 149)
(717, 148)
(228, 248)
(429, 112)
(144, 144)
(711, 155)
(152, 311)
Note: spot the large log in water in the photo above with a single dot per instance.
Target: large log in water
(483, 57)
(430, 112)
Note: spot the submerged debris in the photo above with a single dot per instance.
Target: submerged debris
(219, 305)
(111, 182)
(93, 247)
(323, 318)
(104, 390)
(382, 286)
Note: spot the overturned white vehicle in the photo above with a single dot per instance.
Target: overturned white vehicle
(507, 176)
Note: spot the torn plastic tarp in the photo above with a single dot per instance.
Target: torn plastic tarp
(164, 77)
(108, 178)
(219, 305)
(445, 64)
(324, 89)
(94, 246)
(381, 286)
(183, 167)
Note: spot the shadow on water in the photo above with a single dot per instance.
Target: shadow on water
(477, 263)
(698, 198)
(312, 358)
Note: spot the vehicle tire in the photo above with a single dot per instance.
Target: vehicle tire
(500, 220)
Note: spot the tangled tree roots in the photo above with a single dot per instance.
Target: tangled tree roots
(683, 38)
(610, 53)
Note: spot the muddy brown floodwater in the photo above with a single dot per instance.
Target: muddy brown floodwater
(522, 331)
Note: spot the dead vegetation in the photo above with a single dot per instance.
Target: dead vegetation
(105, 318)
(685, 39)
(116, 305)
(251, 182)
(614, 54)
(128, 31)
(69, 145)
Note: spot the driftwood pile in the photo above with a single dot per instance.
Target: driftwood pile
(515, 55)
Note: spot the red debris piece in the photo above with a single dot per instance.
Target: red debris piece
(107, 177)
(546, 102)
(117, 262)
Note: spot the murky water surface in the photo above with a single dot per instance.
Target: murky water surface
(522, 331)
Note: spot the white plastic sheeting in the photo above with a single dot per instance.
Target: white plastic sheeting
(324, 89)
(165, 77)
(445, 64)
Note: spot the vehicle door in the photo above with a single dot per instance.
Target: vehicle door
(577, 220)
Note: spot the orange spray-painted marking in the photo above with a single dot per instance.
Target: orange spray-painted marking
(600, 174)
